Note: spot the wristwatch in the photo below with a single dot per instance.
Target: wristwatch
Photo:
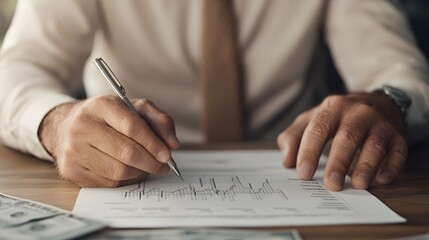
(399, 97)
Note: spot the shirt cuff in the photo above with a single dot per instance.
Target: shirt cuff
(33, 116)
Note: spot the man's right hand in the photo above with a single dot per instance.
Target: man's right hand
(99, 142)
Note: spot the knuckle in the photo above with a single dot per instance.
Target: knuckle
(152, 145)
(128, 126)
(96, 102)
(77, 125)
(365, 167)
(319, 129)
(104, 99)
(324, 116)
(128, 153)
(307, 152)
(349, 137)
(120, 172)
(165, 120)
(381, 129)
(361, 114)
(125, 125)
(144, 103)
(379, 145)
(363, 109)
(339, 166)
(400, 152)
(333, 101)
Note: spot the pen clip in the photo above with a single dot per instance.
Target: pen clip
(110, 76)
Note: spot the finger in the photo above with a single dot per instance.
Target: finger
(394, 162)
(290, 139)
(104, 165)
(123, 150)
(84, 177)
(346, 142)
(161, 123)
(316, 135)
(119, 117)
(372, 154)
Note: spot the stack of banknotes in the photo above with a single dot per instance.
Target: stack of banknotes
(22, 219)
(25, 219)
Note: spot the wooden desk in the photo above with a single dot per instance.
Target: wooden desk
(26, 177)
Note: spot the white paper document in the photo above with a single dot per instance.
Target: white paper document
(231, 189)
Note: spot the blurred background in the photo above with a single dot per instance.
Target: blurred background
(7, 8)
(416, 10)
(418, 14)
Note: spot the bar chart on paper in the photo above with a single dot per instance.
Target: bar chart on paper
(219, 190)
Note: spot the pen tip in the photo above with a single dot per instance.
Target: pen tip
(178, 173)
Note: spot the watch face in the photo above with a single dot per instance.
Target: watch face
(398, 95)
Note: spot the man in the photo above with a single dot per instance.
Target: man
(158, 50)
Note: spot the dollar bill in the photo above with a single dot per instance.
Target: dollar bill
(64, 226)
(195, 234)
(21, 212)
(6, 200)
(26, 219)
(416, 237)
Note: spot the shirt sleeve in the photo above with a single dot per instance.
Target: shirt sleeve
(372, 45)
(41, 60)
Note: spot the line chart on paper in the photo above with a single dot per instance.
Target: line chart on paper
(232, 189)
(207, 189)
(211, 195)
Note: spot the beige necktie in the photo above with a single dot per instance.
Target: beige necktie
(220, 73)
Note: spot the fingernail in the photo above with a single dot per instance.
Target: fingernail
(336, 179)
(163, 156)
(385, 177)
(306, 170)
(363, 177)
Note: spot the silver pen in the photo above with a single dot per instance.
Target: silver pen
(120, 91)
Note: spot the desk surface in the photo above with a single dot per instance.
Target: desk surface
(26, 177)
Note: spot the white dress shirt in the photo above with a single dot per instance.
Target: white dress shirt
(153, 46)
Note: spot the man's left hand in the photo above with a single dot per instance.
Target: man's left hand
(367, 124)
